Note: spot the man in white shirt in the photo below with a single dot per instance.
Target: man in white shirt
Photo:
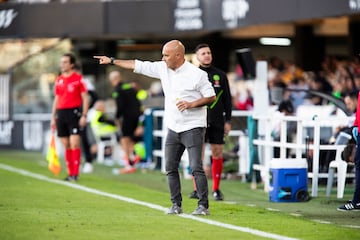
(187, 91)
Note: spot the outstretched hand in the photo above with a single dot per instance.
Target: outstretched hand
(103, 59)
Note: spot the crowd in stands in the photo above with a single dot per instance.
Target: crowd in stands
(338, 77)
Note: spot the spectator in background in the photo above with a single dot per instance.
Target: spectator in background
(218, 118)
(348, 81)
(316, 84)
(351, 104)
(357, 81)
(329, 65)
(103, 128)
(69, 113)
(350, 101)
(298, 93)
(275, 67)
(329, 69)
(290, 72)
(243, 100)
(342, 81)
(354, 204)
(355, 65)
(128, 111)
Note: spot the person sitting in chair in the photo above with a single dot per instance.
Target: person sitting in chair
(103, 127)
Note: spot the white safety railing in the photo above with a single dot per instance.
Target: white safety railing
(267, 143)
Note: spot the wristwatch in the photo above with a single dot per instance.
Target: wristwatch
(112, 60)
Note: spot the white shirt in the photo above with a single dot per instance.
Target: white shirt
(188, 83)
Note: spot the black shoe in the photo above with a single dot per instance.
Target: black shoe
(349, 206)
(194, 195)
(218, 196)
(68, 178)
(71, 178)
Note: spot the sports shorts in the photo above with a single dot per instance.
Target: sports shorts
(67, 122)
(214, 135)
(128, 126)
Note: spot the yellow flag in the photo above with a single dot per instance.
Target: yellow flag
(52, 157)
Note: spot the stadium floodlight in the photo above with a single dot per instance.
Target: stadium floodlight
(275, 41)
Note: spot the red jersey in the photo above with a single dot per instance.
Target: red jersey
(68, 90)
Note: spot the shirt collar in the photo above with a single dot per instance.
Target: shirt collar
(181, 67)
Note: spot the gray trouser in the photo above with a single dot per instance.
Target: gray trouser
(175, 145)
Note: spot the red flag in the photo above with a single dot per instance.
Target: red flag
(52, 157)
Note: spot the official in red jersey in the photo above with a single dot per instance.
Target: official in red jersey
(69, 111)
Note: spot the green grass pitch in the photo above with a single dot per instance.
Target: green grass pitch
(36, 209)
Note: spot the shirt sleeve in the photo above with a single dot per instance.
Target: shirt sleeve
(82, 86)
(150, 69)
(205, 87)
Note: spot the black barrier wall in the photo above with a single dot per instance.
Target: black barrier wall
(128, 18)
(28, 132)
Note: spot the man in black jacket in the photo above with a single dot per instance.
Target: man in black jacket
(218, 117)
(129, 110)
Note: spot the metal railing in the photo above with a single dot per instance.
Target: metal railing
(298, 145)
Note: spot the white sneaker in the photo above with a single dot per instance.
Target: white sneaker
(88, 168)
(109, 162)
(201, 210)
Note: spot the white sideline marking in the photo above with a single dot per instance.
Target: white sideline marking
(146, 204)
(321, 221)
(351, 226)
(273, 209)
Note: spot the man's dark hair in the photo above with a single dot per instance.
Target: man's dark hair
(352, 94)
(71, 57)
(201, 45)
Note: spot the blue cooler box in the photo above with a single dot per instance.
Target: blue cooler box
(288, 180)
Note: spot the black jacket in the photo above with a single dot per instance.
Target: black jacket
(220, 110)
(127, 103)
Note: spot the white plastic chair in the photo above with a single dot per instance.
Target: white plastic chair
(338, 164)
(102, 144)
